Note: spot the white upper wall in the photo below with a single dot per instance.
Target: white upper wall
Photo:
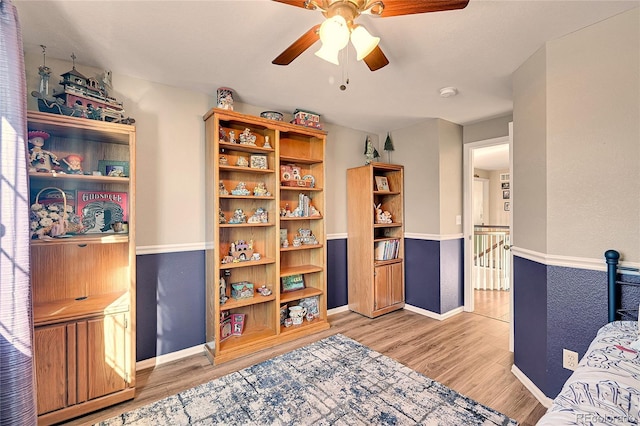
(593, 139)
(576, 177)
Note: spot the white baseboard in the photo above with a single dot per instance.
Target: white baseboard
(439, 317)
(337, 310)
(531, 387)
(199, 349)
(173, 356)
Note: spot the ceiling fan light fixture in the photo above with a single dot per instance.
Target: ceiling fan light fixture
(363, 42)
(334, 32)
(329, 54)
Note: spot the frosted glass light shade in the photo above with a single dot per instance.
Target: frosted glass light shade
(334, 32)
(363, 42)
(328, 54)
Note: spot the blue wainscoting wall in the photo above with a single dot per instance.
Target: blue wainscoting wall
(530, 320)
(170, 303)
(555, 307)
(337, 273)
(171, 290)
(434, 274)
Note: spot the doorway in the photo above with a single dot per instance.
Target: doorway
(487, 228)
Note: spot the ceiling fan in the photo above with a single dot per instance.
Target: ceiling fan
(339, 27)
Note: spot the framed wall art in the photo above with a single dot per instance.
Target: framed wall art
(506, 194)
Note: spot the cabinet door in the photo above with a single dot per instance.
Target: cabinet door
(50, 355)
(388, 286)
(67, 271)
(107, 347)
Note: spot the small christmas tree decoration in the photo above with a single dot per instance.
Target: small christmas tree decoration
(388, 146)
(370, 152)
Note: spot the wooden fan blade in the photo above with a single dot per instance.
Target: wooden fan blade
(297, 47)
(410, 7)
(297, 3)
(376, 59)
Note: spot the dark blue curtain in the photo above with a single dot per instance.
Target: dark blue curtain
(17, 396)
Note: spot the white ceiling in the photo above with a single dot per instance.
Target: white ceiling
(203, 45)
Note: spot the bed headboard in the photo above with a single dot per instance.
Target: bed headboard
(616, 281)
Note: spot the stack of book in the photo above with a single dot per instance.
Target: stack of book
(386, 250)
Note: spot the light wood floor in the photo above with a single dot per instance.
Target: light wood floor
(467, 352)
(492, 304)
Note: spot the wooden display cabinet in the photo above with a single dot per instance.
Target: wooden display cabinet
(375, 250)
(287, 144)
(83, 286)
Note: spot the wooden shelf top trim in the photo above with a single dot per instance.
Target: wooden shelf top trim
(387, 262)
(80, 128)
(248, 197)
(248, 263)
(79, 178)
(84, 239)
(300, 269)
(232, 303)
(68, 309)
(299, 160)
(244, 148)
(302, 247)
(299, 294)
(227, 115)
(387, 225)
(245, 169)
(386, 192)
(298, 188)
(245, 225)
(301, 218)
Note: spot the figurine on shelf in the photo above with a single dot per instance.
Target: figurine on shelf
(242, 162)
(73, 164)
(223, 291)
(241, 251)
(40, 159)
(266, 142)
(313, 212)
(260, 216)
(221, 189)
(246, 138)
(285, 243)
(382, 216)
(223, 160)
(241, 189)
(264, 290)
(238, 217)
(221, 218)
(285, 212)
(232, 136)
(297, 242)
(261, 190)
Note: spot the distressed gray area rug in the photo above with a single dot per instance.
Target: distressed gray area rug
(335, 381)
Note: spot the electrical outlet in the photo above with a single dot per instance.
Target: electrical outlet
(569, 359)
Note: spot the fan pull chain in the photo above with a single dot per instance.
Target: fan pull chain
(343, 86)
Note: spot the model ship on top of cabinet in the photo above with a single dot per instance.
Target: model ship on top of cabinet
(81, 96)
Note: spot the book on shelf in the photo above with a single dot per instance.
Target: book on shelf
(386, 250)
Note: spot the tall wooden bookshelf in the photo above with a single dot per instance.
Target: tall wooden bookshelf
(375, 250)
(84, 285)
(276, 144)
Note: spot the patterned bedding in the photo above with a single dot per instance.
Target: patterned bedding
(605, 388)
